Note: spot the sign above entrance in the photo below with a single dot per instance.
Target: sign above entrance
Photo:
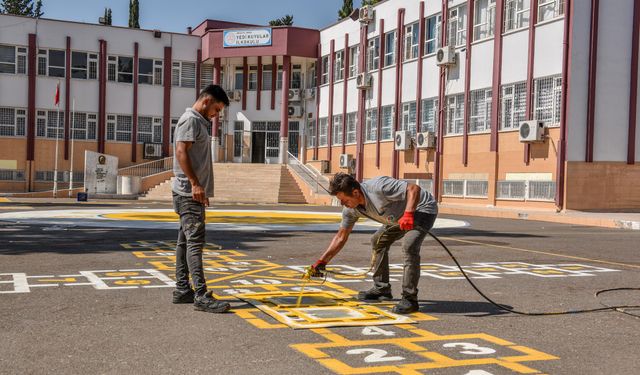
(247, 38)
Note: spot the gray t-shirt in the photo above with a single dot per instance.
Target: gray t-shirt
(192, 127)
(386, 200)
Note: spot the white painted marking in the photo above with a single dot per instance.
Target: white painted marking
(375, 331)
(377, 355)
(470, 348)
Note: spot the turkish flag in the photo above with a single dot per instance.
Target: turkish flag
(57, 98)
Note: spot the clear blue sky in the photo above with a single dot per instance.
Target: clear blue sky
(176, 15)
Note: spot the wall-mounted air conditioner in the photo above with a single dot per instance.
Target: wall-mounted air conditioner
(295, 111)
(366, 14)
(346, 161)
(364, 81)
(425, 140)
(446, 56)
(294, 95)
(402, 140)
(152, 151)
(531, 131)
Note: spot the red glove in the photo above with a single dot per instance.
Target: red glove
(406, 221)
(317, 268)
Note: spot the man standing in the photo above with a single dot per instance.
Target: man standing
(192, 188)
(405, 210)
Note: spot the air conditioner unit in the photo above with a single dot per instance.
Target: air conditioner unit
(366, 14)
(531, 131)
(294, 95)
(364, 81)
(346, 161)
(402, 140)
(222, 115)
(234, 95)
(426, 140)
(152, 151)
(446, 56)
(310, 93)
(295, 111)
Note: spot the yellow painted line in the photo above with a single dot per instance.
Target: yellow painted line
(4, 200)
(542, 252)
(64, 280)
(239, 217)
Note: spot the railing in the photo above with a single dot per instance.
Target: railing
(313, 178)
(453, 188)
(511, 189)
(11, 175)
(466, 188)
(148, 169)
(527, 190)
(542, 190)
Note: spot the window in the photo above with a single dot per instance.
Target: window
(149, 129)
(550, 9)
(253, 78)
(279, 78)
(56, 60)
(373, 54)
(119, 128)
(484, 19)
(322, 130)
(266, 77)
(238, 130)
(409, 117)
(432, 34)
(206, 75)
(13, 60)
(455, 114)
(311, 133)
(84, 125)
(183, 74)
(238, 78)
(338, 65)
(516, 14)
(84, 65)
(174, 123)
(458, 26)
(12, 122)
(150, 71)
(547, 99)
(513, 105)
(337, 128)
(296, 77)
(112, 67)
(351, 127)
(390, 48)
(388, 113)
(354, 54)
(125, 69)
(54, 123)
(411, 38)
(325, 70)
(311, 72)
(429, 115)
(371, 125)
(480, 107)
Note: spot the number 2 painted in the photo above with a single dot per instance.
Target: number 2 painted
(377, 355)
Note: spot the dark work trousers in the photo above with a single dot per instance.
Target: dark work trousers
(381, 243)
(191, 240)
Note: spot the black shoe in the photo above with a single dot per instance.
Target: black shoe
(209, 304)
(374, 294)
(406, 306)
(183, 296)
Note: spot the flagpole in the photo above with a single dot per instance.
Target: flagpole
(55, 168)
(73, 126)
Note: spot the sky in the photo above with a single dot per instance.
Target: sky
(176, 15)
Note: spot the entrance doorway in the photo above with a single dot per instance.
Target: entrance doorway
(257, 147)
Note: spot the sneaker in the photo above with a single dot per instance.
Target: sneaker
(209, 304)
(406, 306)
(374, 294)
(183, 296)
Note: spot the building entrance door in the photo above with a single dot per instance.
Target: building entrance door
(266, 142)
(257, 147)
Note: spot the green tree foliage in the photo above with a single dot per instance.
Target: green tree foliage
(287, 20)
(370, 2)
(346, 10)
(18, 7)
(134, 14)
(37, 12)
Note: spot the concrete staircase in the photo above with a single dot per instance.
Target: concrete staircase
(245, 183)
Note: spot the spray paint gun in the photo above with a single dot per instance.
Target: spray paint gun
(311, 271)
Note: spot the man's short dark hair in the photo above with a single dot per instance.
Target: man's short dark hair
(216, 92)
(343, 183)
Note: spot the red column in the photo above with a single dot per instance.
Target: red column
(441, 106)
(332, 59)
(134, 133)
(344, 92)
(593, 68)
(533, 6)
(245, 81)
(259, 89)
(274, 78)
(398, 101)
(198, 71)
(379, 115)
(467, 82)
(497, 75)
(633, 94)
(421, 37)
(67, 95)
(166, 113)
(284, 111)
(362, 67)
(31, 101)
(318, 84)
(102, 93)
(216, 81)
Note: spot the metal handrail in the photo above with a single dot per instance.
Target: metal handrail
(316, 178)
(148, 169)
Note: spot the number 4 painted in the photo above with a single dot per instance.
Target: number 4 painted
(376, 331)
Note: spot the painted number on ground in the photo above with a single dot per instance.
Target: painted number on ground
(375, 331)
(470, 348)
(377, 355)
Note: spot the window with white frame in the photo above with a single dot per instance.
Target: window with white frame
(516, 14)
(311, 133)
(458, 26)
(411, 40)
(83, 126)
(51, 62)
(112, 68)
(373, 54)
(41, 123)
(484, 19)
(55, 124)
(238, 134)
(409, 117)
(337, 128)
(267, 76)
(432, 34)
(150, 71)
(13, 59)
(119, 128)
(13, 122)
(338, 72)
(371, 131)
(550, 9)
(429, 115)
(547, 99)
(84, 65)
(513, 105)
(238, 81)
(125, 69)
(354, 54)
(206, 75)
(480, 110)
(253, 78)
(311, 73)
(183, 74)
(279, 78)
(174, 123)
(390, 48)
(296, 77)
(455, 114)
(322, 131)
(351, 127)
(324, 76)
(149, 129)
(386, 126)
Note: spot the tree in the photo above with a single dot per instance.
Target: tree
(370, 2)
(37, 13)
(134, 14)
(17, 7)
(109, 17)
(346, 10)
(287, 20)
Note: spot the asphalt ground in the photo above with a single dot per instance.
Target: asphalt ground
(55, 326)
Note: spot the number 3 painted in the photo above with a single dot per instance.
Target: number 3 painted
(377, 355)
(469, 348)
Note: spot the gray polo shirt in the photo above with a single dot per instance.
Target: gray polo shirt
(386, 200)
(192, 127)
